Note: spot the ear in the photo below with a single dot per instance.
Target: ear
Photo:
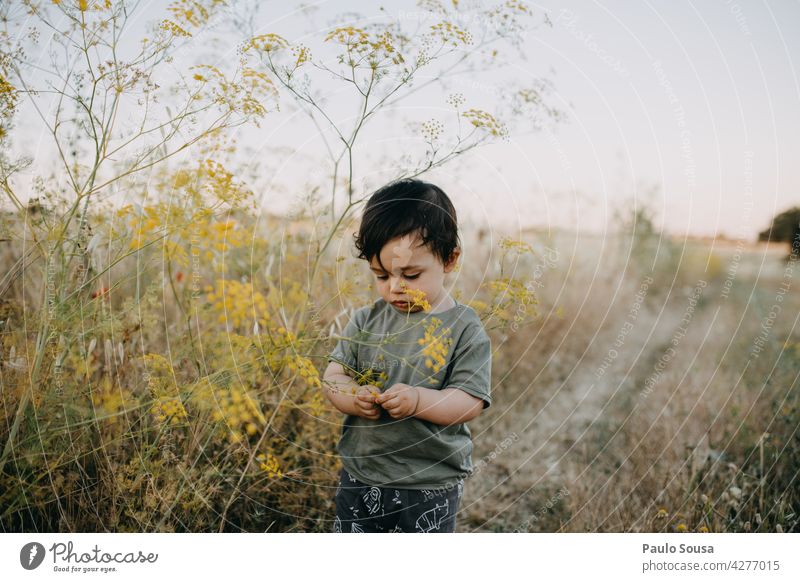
(453, 260)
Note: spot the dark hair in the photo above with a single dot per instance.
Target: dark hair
(404, 207)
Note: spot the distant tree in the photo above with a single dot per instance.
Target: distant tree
(785, 228)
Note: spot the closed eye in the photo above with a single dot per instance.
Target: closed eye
(384, 277)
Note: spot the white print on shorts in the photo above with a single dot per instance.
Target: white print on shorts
(432, 519)
(355, 528)
(372, 499)
(337, 525)
(396, 499)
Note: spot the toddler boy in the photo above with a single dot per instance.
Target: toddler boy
(410, 370)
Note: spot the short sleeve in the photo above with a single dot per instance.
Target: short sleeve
(471, 366)
(346, 350)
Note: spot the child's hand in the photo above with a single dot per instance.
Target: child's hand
(365, 403)
(400, 400)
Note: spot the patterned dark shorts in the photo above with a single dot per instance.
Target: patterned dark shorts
(362, 508)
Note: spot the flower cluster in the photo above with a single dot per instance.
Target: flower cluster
(233, 407)
(244, 96)
(382, 47)
(508, 292)
(451, 33)
(507, 288)
(150, 220)
(519, 246)
(456, 100)
(238, 303)
(487, 121)
(431, 129)
(190, 11)
(269, 464)
(186, 14)
(266, 43)
(8, 101)
(169, 409)
(370, 377)
(349, 36)
(173, 28)
(509, 18)
(376, 47)
(304, 367)
(179, 232)
(317, 404)
(214, 238)
(435, 346)
(302, 54)
(160, 376)
(417, 296)
(280, 349)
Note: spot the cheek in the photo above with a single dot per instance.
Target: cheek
(427, 281)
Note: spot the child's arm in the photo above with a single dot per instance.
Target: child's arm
(338, 388)
(448, 406)
(445, 407)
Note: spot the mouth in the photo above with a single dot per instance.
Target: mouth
(400, 304)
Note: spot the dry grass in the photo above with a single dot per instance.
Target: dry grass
(155, 421)
(712, 445)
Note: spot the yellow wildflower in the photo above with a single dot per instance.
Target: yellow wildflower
(169, 409)
(435, 346)
(348, 35)
(232, 406)
(266, 43)
(417, 296)
(451, 33)
(509, 244)
(269, 464)
(238, 303)
(486, 121)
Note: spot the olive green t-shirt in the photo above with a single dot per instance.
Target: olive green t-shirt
(383, 346)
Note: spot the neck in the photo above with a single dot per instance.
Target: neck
(443, 303)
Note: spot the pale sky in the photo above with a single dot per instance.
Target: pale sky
(695, 105)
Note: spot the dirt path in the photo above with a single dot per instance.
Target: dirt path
(556, 418)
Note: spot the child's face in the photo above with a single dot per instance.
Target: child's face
(410, 266)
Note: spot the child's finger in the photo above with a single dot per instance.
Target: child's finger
(365, 404)
(392, 399)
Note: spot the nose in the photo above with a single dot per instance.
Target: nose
(396, 285)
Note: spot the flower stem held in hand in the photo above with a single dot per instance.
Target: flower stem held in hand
(400, 401)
